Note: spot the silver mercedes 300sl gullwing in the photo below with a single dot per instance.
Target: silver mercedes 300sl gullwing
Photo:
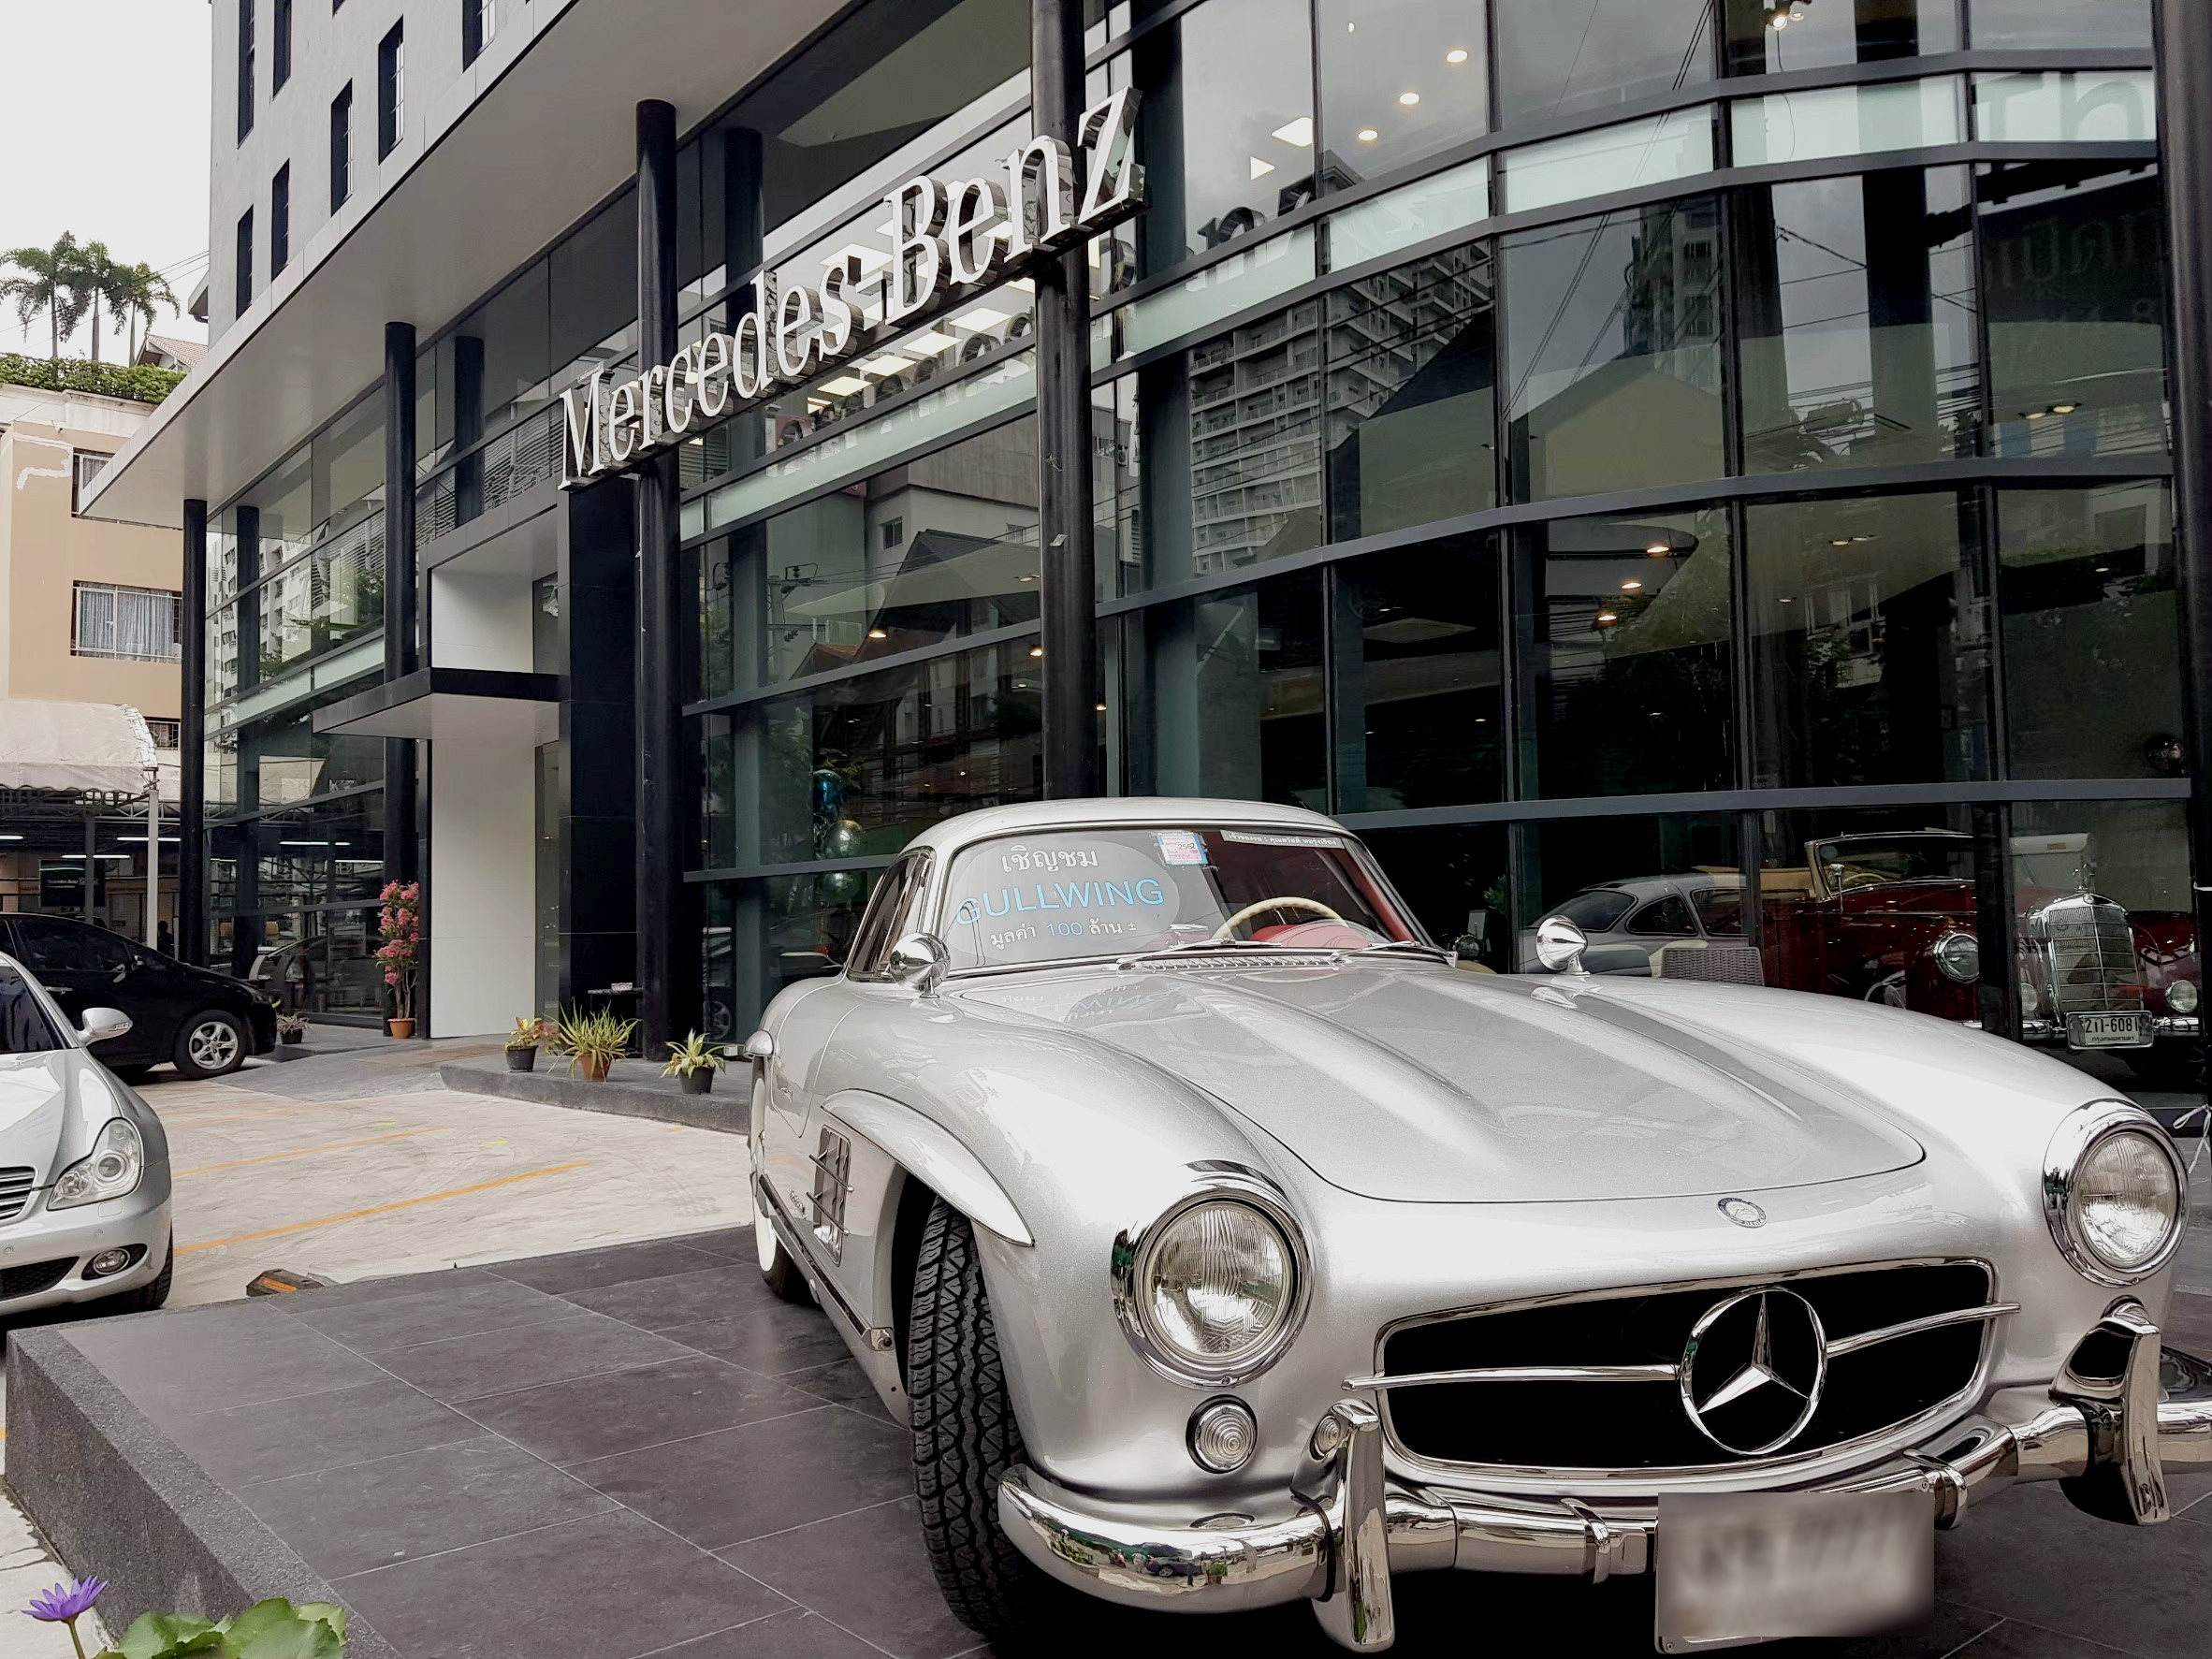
(1223, 1243)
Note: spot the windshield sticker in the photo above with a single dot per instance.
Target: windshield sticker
(1247, 838)
(1180, 847)
(1116, 900)
(1045, 860)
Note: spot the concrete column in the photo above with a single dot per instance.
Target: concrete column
(192, 842)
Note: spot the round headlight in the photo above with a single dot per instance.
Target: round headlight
(1960, 956)
(2114, 1194)
(2181, 997)
(1212, 1292)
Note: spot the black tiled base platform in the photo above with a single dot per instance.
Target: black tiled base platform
(639, 1451)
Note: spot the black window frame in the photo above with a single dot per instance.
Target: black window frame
(342, 146)
(245, 69)
(242, 293)
(391, 88)
(280, 47)
(280, 221)
(475, 33)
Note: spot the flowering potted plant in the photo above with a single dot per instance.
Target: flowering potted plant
(523, 1042)
(400, 927)
(692, 1063)
(271, 1629)
(593, 1042)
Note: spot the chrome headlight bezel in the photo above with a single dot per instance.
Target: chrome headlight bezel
(1958, 958)
(84, 1182)
(1135, 1249)
(2077, 1137)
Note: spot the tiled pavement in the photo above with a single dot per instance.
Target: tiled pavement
(638, 1450)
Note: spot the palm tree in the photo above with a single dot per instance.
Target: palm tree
(50, 281)
(95, 277)
(134, 293)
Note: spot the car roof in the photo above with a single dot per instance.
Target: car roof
(1040, 817)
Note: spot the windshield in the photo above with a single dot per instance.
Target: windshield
(1874, 861)
(25, 1030)
(1020, 900)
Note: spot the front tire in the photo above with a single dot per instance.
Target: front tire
(777, 1269)
(966, 1438)
(212, 1043)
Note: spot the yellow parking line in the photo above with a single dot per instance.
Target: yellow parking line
(194, 1123)
(269, 1233)
(271, 1158)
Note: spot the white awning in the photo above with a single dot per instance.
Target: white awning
(82, 747)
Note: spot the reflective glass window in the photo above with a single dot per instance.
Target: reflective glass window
(1445, 202)
(1235, 695)
(1624, 652)
(1455, 881)
(778, 931)
(2073, 278)
(1419, 720)
(1399, 80)
(1850, 902)
(1775, 36)
(1626, 156)
(1614, 352)
(1412, 395)
(1639, 859)
(2067, 106)
(1561, 57)
(1226, 129)
(1869, 642)
(2030, 26)
(1856, 301)
(1828, 121)
(2087, 589)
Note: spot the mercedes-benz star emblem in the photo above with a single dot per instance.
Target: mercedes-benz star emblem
(1753, 1369)
(1743, 1211)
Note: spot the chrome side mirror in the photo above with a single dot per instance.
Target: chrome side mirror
(760, 1046)
(920, 962)
(100, 1024)
(1560, 945)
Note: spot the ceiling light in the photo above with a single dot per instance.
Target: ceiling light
(1630, 586)
(1368, 135)
(1409, 98)
(1606, 616)
(2104, 569)
(878, 634)
(2037, 414)
(1102, 708)
(1658, 549)
(1032, 577)
(1458, 54)
(979, 319)
(1261, 169)
(10, 837)
(1298, 134)
(845, 384)
(1786, 601)
(1351, 28)
(2064, 408)
(1036, 650)
(1840, 542)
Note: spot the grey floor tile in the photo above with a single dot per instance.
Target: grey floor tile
(611, 1587)
(283, 1437)
(720, 1291)
(420, 1503)
(733, 1241)
(430, 1316)
(724, 1488)
(2189, 1323)
(2013, 1640)
(844, 1382)
(893, 1602)
(190, 1361)
(597, 1417)
(366, 1290)
(586, 1269)
(793, 1635)
(499, 1361)
(777, 1339)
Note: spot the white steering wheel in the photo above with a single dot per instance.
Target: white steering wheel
(1288, 902)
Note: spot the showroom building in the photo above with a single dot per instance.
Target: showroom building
(1714, 446)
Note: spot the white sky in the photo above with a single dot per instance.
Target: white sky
(104, 131)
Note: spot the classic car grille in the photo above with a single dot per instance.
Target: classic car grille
(2088, 953)
(1641, 1424)
(15, 1192)
(34, 1277)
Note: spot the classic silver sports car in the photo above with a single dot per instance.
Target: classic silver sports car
(1224, 1245)
(84, 1167)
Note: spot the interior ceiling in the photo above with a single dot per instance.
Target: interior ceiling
(459, 221)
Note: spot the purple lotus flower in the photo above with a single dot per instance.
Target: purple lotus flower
(64, 1603)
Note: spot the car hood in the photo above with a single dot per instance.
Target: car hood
(1428, 1085)
(38, 1095)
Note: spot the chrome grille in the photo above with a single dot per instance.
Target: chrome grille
(2088, 955)
(15, 1192)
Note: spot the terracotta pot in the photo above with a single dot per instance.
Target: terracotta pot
(595, 1066)
(522, 1059)
(697, 1082)
(401, 1029)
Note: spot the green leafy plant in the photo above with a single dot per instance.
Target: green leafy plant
(139, 382)
(694, 1053)
(530, 1032)
(593, 1040)
(271, 1629)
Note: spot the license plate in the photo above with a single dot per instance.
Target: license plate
(2108, 1030)
(1742, 1567)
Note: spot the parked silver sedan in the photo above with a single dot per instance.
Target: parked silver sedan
(84, 1167)
(1223, 1246)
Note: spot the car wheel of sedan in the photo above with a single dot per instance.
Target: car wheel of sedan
(147, 1297)
(781, 1272)
(211, 1044)
(966, 1438)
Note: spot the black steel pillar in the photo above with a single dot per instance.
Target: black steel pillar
(663, 1008)
(192, 791)
(1064, 439)
(402, 648)
(1997, 996)
(2185, 148)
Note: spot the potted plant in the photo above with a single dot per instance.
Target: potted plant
(523, 1042)
(291, 1028)
(593, 1042)
(693, 1063)
(400, 927)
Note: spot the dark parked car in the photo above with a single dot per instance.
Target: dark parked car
(207, 1023)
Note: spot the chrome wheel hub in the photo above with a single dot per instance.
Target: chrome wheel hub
(213, 1045)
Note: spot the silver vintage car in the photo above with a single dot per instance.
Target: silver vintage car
(1224, 1246)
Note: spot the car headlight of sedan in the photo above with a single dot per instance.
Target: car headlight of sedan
(113, 1167)
(2115, 1194)
(2181, 997)
(1960, 957)
(1213, 1291)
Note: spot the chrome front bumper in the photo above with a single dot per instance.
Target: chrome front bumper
(2109, 1437)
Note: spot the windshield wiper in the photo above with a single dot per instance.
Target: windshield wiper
(1440, 952)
